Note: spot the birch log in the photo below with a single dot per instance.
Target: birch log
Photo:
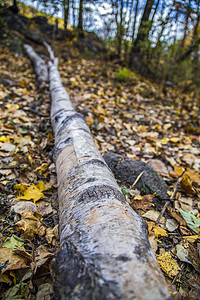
(105, 252)
(40, 67)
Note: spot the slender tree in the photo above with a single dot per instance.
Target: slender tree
(135, 19)
(142, 35)
(80, 18)
(66, 4)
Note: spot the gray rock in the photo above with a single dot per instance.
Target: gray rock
(34, 37)
(127, 170)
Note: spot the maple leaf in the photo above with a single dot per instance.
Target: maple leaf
(34, 192)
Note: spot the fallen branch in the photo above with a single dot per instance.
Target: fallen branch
(105, 252)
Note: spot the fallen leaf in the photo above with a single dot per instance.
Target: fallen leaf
(30, 225)
(189, 158)
(21, 206)
(159, 231)
(42, 169)
(182, 253)
(153, 216)
(191, 238)
(13, 242)
(15, 261)
(159, 167)
(192, 221)
(8, 147)
(34, 192)
(168, 265)
(171, 225)
(16, 292)
(44, 208)
(142, 202)
(186, 185)
(45, 291)
(153, 243)
(179, 170)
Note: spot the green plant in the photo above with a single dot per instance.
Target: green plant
(126, 74)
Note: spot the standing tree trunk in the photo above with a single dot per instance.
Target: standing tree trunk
(135, 19)
(66, 12)
(136, 50)
(104, 253)
(80, 19)
(195, 38)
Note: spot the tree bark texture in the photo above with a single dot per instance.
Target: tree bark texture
(136, 53)
(40, 66)
(104, 253)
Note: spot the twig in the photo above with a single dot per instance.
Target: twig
(168, 202)
(139, 176)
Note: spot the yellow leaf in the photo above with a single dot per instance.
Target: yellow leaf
(167, 264)
(89, 120)
(42, 169)
(40, 186)
(159, 231)
(179, 170)
(167, 126)
(174, 139)
(22, 187)
(193, 175)
(32, 193)
(164, 141)
(4, 139)
(100, 110)
(142, 128)
(191, 238)
(30, 159)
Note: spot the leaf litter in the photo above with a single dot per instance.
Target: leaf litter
(136, 120)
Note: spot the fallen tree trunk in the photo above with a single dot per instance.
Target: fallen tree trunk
(40, 66)
(104, 253)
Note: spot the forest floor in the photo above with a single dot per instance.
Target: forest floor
(136, 119)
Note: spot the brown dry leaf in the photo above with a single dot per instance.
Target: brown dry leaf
(50, 237)
(153, 216)
(171, 225)
(189, 158)
(15, 261)
(193, 175)
(159, 167)
(194, 257)
(168, 265)
(186, 185)
(177, 217)
(8, 147)
(30, 225)
(153, 243)
(42, 252)
(44, 208)
(142, 202)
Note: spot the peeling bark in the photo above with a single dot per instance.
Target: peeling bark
(105, 252)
